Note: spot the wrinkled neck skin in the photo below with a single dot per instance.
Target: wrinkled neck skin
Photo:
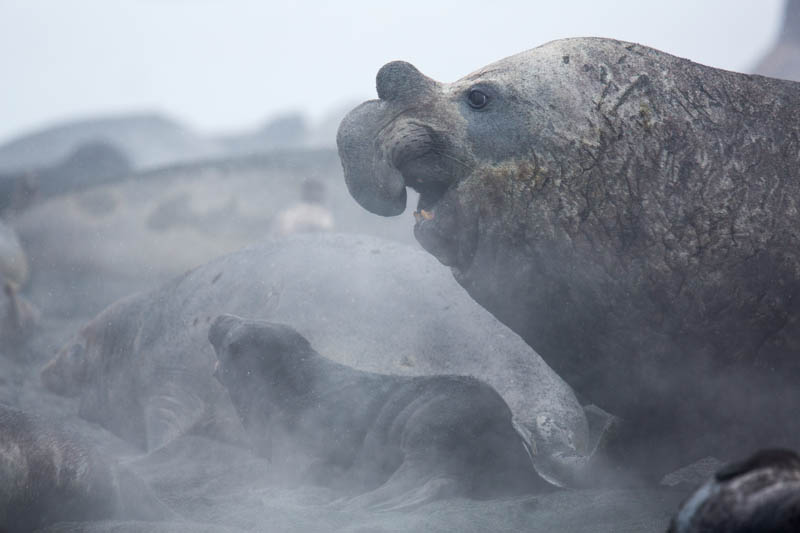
(614, 205)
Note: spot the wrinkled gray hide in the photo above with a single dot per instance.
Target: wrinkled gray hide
(143, 367)
(632, 215)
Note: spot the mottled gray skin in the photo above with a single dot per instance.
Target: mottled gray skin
(396, 440)
(632, 215)
(143, 367)
(48, 475)
(758, 495)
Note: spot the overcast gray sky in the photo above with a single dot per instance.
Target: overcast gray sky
(228, 64)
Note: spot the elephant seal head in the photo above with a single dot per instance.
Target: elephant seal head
(454, 144)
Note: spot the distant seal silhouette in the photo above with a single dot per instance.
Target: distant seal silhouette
(49, 475)
(632, 215)
(759, 494)
(405, 439)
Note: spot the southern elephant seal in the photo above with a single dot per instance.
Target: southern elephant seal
(49, 475)
(393, 440)
(759, 494)
(143, 367)
(632, 215)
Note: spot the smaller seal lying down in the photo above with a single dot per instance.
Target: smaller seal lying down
(408, 440)
(48, 475)
(760, 494)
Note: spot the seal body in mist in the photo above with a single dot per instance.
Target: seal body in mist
(759, 494)
(396, 440)
(143, 367)
(632, 215)
(50, 475)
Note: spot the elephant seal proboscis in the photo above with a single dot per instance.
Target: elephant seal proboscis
(397, 440)
(632, 215)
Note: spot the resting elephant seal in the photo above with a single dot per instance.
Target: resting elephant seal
(401, 440)
(632, 215)
(760, 494)
(48, 475)
(143, 367)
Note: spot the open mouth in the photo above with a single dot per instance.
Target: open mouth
(440, 223)
(429, 196)
(431, 177)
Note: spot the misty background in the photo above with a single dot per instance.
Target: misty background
(227, 66)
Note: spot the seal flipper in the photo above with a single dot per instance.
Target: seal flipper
(221, 422)
(412, 485)
(135, 499)
(173, 412)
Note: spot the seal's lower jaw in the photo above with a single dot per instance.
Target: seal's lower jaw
(440, 229)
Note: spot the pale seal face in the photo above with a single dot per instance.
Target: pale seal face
(615, 206)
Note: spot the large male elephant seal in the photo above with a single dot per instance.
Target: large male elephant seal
(143, 367)
(396, 440)
(633, 215)
(49, 475)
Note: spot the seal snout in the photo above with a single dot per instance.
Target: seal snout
(400, 81)
(220, 328)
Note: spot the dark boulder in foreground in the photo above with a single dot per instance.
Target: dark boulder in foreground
(633, 215)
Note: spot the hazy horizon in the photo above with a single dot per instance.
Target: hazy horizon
(226, 66)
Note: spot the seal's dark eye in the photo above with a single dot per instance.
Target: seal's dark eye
(477, 99)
